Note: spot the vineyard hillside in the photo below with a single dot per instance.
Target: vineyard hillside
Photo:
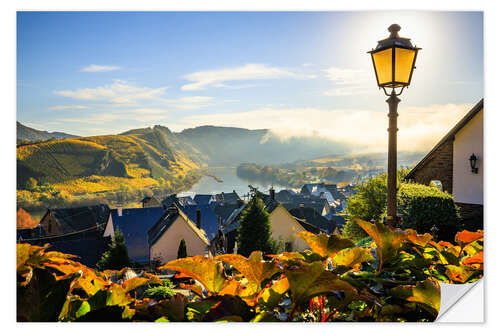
(146, 155)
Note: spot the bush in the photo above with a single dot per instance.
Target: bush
(423, 207)
(117, 255)
(182, 250)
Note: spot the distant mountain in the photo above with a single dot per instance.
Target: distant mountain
(31, 134)
(232, 146)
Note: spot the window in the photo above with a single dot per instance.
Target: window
(437, 183)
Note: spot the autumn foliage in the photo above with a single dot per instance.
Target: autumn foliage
(395, 278)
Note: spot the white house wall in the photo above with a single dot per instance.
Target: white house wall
(468, 186)
(284, 227)
(165, 249)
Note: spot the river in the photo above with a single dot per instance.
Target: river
(230, 182)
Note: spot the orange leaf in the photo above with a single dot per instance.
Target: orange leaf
(478, 258)
(254, 268)
(466, 237)
(420, 240)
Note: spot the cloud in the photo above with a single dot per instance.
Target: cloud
(119, 92)
(419, 127)
(348, 81)
(68, 107)
(99, 68)
(216, 78)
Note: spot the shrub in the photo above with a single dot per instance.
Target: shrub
(423, 207)
(117, 255)
(159, 293)
(182, 251)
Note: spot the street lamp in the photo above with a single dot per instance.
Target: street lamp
(393, 60)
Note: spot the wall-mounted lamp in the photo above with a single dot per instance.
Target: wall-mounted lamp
(473, 163)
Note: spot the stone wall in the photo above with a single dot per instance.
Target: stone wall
(439, 166)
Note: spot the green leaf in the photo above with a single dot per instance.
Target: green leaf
(325, 245)
(425, 292)
(311, 280)
(388, 241)
(271, 296)
(207, 271)
(254, 268)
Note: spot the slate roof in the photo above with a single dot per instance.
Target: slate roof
(79, 218)
(318, 204)
(167, 219)
(88, 246)
(307, 226)
(284, 196)
(227, 197)
(168, 201)
(209, 220)
(312, 217)
(233, 221)
(134, 225)
(204, 199)
(23, 234)
(224, 210)
(449, 136)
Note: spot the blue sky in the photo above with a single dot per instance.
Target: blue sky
(297, 73)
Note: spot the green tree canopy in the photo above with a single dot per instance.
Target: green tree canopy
(254, 233)
(116, 257)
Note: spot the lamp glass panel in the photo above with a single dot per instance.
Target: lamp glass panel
(383, 65)
(404, 64)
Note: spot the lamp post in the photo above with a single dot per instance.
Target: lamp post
(393, 60)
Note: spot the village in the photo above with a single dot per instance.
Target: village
(153, 233)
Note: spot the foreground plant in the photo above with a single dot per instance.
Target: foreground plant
(394, 278)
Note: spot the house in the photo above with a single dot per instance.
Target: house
(150, 202)
(70, 220)
(23, 235)
(134, 224)
(284, 226)
(320, 205)
(448, 164)
(318, 190)
(173, 226)
(204, 199)
(87, 245)
(204, 215)
(228, 198)
(312, 217)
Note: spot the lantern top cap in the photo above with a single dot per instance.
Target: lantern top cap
(394, 40)
(394, 28)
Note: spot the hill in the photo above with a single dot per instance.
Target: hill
(31, 134)
(137, 158)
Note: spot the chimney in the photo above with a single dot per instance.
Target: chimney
(301, 206)
(119, 210)
(198, 219)
(271, 193)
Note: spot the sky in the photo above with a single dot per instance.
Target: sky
(296, 73)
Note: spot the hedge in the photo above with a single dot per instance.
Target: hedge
(423, 207)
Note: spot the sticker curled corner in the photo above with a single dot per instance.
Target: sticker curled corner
(461, 302)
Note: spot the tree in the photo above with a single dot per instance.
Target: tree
(182, 251)
(116, 257)
(369, 203)
(254, 233)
